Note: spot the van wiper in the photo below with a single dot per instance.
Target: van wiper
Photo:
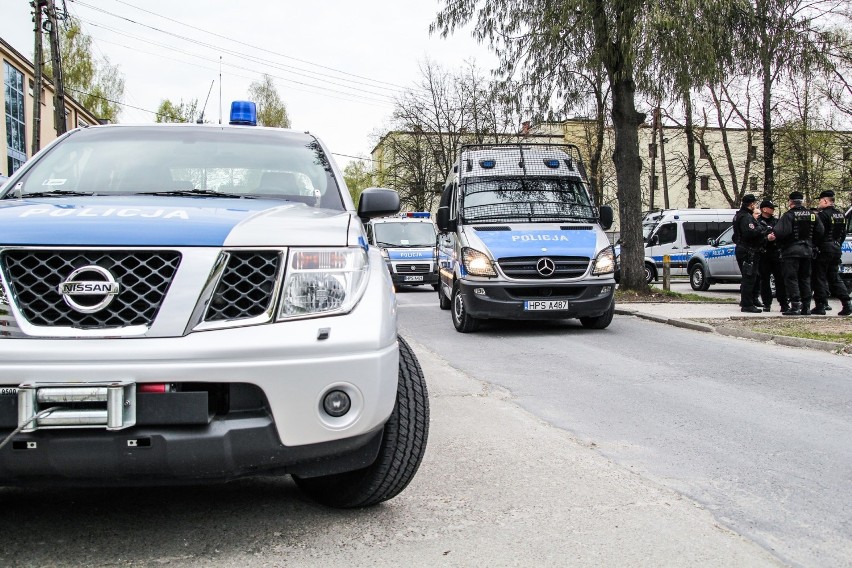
(52, 193)
(197, 192)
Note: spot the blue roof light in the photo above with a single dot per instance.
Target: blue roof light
(487, 164)
(553, 164)
(243, 112)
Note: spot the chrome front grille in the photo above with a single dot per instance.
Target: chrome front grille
(525, 266)
(246, 287)
(143, 277)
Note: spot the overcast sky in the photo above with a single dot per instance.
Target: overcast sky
(337, 64)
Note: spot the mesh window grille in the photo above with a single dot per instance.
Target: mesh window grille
(246, 287)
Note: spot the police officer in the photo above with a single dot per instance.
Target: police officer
(796, 232)
(770, 261)
(749, 240)
(826, 269)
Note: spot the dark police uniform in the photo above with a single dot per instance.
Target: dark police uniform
(795, 232)
(826, 269)
(771, 265)
(749, 238)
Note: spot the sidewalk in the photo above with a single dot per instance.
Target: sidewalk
(687, 315)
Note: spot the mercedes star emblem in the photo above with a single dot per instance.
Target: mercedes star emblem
(545, 267)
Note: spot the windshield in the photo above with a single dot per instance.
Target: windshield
(206, 161)
(647, 229)
(529, 199)
(405, 234)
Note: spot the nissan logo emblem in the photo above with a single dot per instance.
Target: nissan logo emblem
(545, 267)
(86, 294)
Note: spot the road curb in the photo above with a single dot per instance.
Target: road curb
(830, 346)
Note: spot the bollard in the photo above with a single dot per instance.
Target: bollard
(667, 272)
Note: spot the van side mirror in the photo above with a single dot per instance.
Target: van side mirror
(377, 202)
(442, 219)
(653, 241)
(606, 216)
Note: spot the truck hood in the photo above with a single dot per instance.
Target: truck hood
(512, 241)
(168, 221)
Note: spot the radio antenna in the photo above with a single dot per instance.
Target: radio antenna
(201, 116)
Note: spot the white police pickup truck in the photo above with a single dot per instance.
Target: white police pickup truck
(407, 243)
(181, 303)
(521, 238)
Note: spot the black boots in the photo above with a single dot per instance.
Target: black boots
(794, 309)
(750, 309)
(847, 308)
(806, 308)
(819, 308)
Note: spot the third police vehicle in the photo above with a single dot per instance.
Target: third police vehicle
(521, 238)
(407, 243)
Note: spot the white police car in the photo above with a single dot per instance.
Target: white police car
(407, 243)
(197, 302)
(715, 263)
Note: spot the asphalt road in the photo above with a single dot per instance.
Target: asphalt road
(759, 434)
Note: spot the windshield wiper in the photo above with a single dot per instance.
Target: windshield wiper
(51, 193)
(197, 192)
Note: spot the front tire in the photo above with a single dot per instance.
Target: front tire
(401, 451)
(698, 278)
(462, 320)
(600, 322)
(650, 273)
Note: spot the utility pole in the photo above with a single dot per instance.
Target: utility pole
(56, 62)
(38, 6)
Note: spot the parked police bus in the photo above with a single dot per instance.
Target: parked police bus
(521, 238)
(407, 243)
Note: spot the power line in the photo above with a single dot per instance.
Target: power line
(240, 54)
(324, 91)
(237, 54)
(260, 48)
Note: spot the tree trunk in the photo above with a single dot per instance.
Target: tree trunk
(628, 172)
(691, 170)
(768, 144)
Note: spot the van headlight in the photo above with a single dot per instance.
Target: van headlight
(477, 263)
(322, 282)
(604, 262)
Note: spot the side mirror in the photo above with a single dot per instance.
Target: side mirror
(653, 241)
(606, 217)
(711, 242)
(377, 202)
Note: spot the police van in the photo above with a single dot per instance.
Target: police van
(187, 303)
(521, 238)
(407, 243)
(677, 233)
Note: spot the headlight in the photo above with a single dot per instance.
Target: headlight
(477, 263)
(385, 254)
(604, 262)
(321, 282)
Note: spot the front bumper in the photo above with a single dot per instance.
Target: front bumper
(502, 300)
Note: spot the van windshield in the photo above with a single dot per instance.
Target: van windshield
(528, 199)
(405, 234)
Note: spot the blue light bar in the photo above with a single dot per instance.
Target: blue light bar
(553, 164)
(243, 112)
(487, 164)
(418, 214)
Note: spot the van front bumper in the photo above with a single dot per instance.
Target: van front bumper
(502, 300)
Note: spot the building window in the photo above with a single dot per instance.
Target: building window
(705, 183)
(752, 152)
(655, 183)
(702, 152)
(16, 142)
(752, 183)
(652, 150)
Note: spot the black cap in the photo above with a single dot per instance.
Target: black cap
(767, 203)
(749, 198)
(796, 196)
(827, 193)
